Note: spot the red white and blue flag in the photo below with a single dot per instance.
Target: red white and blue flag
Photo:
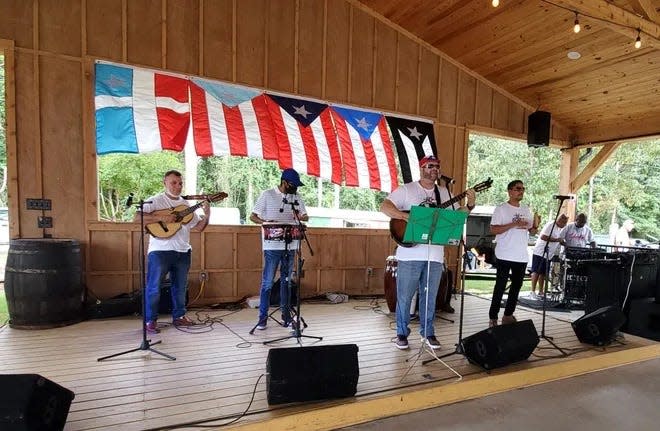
(413, 140)
(306, 138)
(231, 120)
(366, 149)
(139, 111)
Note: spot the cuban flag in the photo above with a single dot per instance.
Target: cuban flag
(305, 136)
(139, 111)
(413, 140)
(366, 149)
(231, 120)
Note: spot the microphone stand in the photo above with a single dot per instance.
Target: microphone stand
(546, 252)
(298, 322)
(146, 344)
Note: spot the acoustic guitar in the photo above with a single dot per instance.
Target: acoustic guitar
(398, 226)
(183, 214)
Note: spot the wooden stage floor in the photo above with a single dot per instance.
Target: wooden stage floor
(219, 364)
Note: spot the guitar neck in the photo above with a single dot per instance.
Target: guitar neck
(453, 200)
(190, 209)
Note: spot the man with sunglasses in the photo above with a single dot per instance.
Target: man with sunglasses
(281, 205)
(512, 222)
(413, 263)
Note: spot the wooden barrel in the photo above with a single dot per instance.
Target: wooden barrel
(43, 283)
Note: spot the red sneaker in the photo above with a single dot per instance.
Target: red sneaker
(183, 321)
(152, 327)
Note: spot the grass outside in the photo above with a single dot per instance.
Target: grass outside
(4, 315)
(485, 286)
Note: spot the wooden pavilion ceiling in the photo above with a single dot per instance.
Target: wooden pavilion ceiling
(611, 93)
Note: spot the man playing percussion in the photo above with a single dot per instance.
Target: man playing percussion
(278, 210)
(412, 273)
(578, 234)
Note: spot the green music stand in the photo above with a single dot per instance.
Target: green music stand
(434, 226)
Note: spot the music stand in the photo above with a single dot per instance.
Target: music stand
(433, 226)
(146, 344)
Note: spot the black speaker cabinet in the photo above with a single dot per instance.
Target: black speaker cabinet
(311, 373)
(599, 327)
(501, 345)
(29, 402)
(644, 319)
(538, 129)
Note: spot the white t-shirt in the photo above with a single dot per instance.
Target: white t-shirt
(268, 207)
(512, 244)
(577, 236)
(180, 241)
(540, 244)
(407, 196)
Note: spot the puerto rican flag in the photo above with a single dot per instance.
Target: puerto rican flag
(366, 149)
(413, 140)
(231, 120)
(305, 136)
(139, 111)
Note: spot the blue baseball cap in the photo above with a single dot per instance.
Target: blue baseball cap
(291, 176)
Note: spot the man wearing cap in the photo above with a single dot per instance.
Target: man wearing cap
(413, 262)
(280, 205)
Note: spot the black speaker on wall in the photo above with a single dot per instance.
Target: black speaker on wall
(501, 345)
(311, 373)
(30, 402)
(599, 327)
(538, 129)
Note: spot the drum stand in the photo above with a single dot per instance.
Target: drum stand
(146, 344)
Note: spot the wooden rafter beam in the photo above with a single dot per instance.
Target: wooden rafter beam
(595, 163)
(624, 22)
(648, 8)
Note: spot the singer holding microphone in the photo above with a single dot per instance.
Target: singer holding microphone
(281, 205)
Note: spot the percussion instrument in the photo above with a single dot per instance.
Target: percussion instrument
(282, 231)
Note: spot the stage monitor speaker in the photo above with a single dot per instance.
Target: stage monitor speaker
(644, 319)
(538, 129)
(311, 373)
(29, 402)
(599, 327)
(501, 345)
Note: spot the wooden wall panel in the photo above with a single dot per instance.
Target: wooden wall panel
(362, 59)
(445, 137)
(517, 118)
(448, 92)
(428, 94)
(59, 28)
(108, 286)
(310, 48)
(17, 24)
(219, 249)
(483, 104)
(385, 64)
(331, 280)
(217, 40)
(354, 250)
(61, 127)
(104, 244)
(219, 286)
(466, 93)
(248, 251)
(247, 283)
(281, 45)
(309, 285)
(332, 257)
(500, 111)
(104, 29)
(182, 37)
(337, 50)
(28, 147)
(408, 67)
(251, 21)
(377, 246)
(144, 38)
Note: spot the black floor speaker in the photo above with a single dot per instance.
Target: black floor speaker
(599, 327)
(311, 373)
(30, 402)
(501, 345)
(644, 319)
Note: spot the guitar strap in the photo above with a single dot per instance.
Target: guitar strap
(436, 190)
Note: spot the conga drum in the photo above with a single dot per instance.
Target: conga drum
(390, 283)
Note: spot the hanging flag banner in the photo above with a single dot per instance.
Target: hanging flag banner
(305, 136)
(366, 149)
(139, 111)
(413, 140)
(231, 120)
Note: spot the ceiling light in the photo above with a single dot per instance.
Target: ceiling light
(638, 41)
(576, 27)
(495, 3)
(573, 55)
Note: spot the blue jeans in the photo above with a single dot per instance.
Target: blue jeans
(160, 263)
(273, 259)
(411, 276)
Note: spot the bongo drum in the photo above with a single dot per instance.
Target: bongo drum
(390, 283)
(282, 232)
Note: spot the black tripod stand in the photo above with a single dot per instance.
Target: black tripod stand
(546, 252)
(146, 344)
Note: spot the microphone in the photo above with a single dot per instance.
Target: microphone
(282, 206)
(563, 197)
(448, 180)
(129, 200)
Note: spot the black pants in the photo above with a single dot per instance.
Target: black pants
(517, 270)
